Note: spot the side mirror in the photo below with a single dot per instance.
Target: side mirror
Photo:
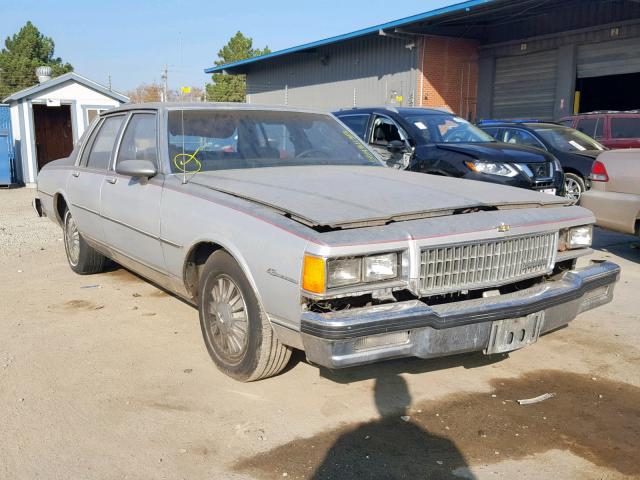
(136, 168)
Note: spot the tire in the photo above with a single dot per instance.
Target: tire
(83, 259)
(236, 330)
(574, 187)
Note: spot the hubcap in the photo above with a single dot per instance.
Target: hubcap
(72, 240)
(573, 191)
(227, 319)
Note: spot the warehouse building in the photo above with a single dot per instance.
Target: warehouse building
(481, 59)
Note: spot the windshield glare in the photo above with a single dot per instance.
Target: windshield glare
(444, 128)
(204, 140)
(568, 139)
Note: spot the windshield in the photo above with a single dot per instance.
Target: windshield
(444, 128)
(204, 140)
(567, 139)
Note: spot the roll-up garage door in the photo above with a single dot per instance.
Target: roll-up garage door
(614, 57)
(525, 86)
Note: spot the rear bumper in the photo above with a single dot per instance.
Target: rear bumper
(617, 211)
(335, 339)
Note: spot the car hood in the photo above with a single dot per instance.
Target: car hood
(357, 196)
(498, 152)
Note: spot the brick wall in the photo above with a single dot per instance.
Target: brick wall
(448, 75)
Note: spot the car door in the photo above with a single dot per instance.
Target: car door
(85, 183)
(131, 206)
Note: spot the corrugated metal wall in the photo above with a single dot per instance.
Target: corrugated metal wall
(609, 58)
(369, 71)
(525, 86)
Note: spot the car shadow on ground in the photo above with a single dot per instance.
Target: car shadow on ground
(607, 243)
(392, 446)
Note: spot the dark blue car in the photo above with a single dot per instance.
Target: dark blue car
(575, 150)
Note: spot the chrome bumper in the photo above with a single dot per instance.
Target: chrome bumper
(413, 328)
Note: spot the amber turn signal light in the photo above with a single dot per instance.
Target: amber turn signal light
(313, 274)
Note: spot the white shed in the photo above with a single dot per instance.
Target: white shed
(48, 118)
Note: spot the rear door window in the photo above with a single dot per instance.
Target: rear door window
(625, 127)
(357, 123)
(102, 148)
(587, 126)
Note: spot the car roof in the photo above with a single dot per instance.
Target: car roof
(208, 106)
(391, 109)
(526, 125)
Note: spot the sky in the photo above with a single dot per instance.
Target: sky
(132, 40)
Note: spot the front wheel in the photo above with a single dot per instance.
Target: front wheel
(235, 329)
(574, 187)
(83, 259)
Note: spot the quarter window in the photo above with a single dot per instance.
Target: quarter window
(102, 147)
(139, 140)
(625, 127)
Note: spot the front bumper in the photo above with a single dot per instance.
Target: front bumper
(335, 339)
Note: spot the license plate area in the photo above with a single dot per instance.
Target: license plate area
(550, 191)
(514, 333)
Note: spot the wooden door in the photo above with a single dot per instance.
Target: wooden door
(53, 133)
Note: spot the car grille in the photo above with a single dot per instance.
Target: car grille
(490, 263)
(540, 170)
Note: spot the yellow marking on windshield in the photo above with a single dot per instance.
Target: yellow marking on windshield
(363, 150)
(188, 158)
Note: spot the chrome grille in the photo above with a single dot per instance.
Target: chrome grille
(490, 263)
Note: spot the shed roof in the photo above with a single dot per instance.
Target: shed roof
(67, 77)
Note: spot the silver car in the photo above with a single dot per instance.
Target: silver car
(287, 232)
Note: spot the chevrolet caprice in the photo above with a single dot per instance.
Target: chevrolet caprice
(287, 232)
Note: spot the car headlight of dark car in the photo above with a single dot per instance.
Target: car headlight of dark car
(492, 168)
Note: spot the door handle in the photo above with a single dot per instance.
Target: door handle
(75, 173)
(112, 180)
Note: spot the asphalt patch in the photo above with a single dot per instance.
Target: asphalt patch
(594, 418)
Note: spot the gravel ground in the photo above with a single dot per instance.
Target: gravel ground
(20, 231)
(107, 377)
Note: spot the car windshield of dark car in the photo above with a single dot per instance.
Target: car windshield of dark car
(203, 140)
(567, 139)
(445, 128)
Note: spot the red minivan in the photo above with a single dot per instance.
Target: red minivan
(611, 129)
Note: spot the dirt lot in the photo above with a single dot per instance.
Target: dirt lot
(107, 377)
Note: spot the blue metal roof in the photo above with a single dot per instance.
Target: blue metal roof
(457, 7)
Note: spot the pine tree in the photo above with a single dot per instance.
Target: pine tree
(23, 52)
(232, 88)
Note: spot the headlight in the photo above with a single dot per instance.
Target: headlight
(319, 274)
(380, 267)
(580, 237)
(576, 237)
(343, 271)
(492, 168)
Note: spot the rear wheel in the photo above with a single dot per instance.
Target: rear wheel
(235, 329)
(83, 259)
(574, 187)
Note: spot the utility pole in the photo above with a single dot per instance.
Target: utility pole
(164, 78)
(109, 82)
